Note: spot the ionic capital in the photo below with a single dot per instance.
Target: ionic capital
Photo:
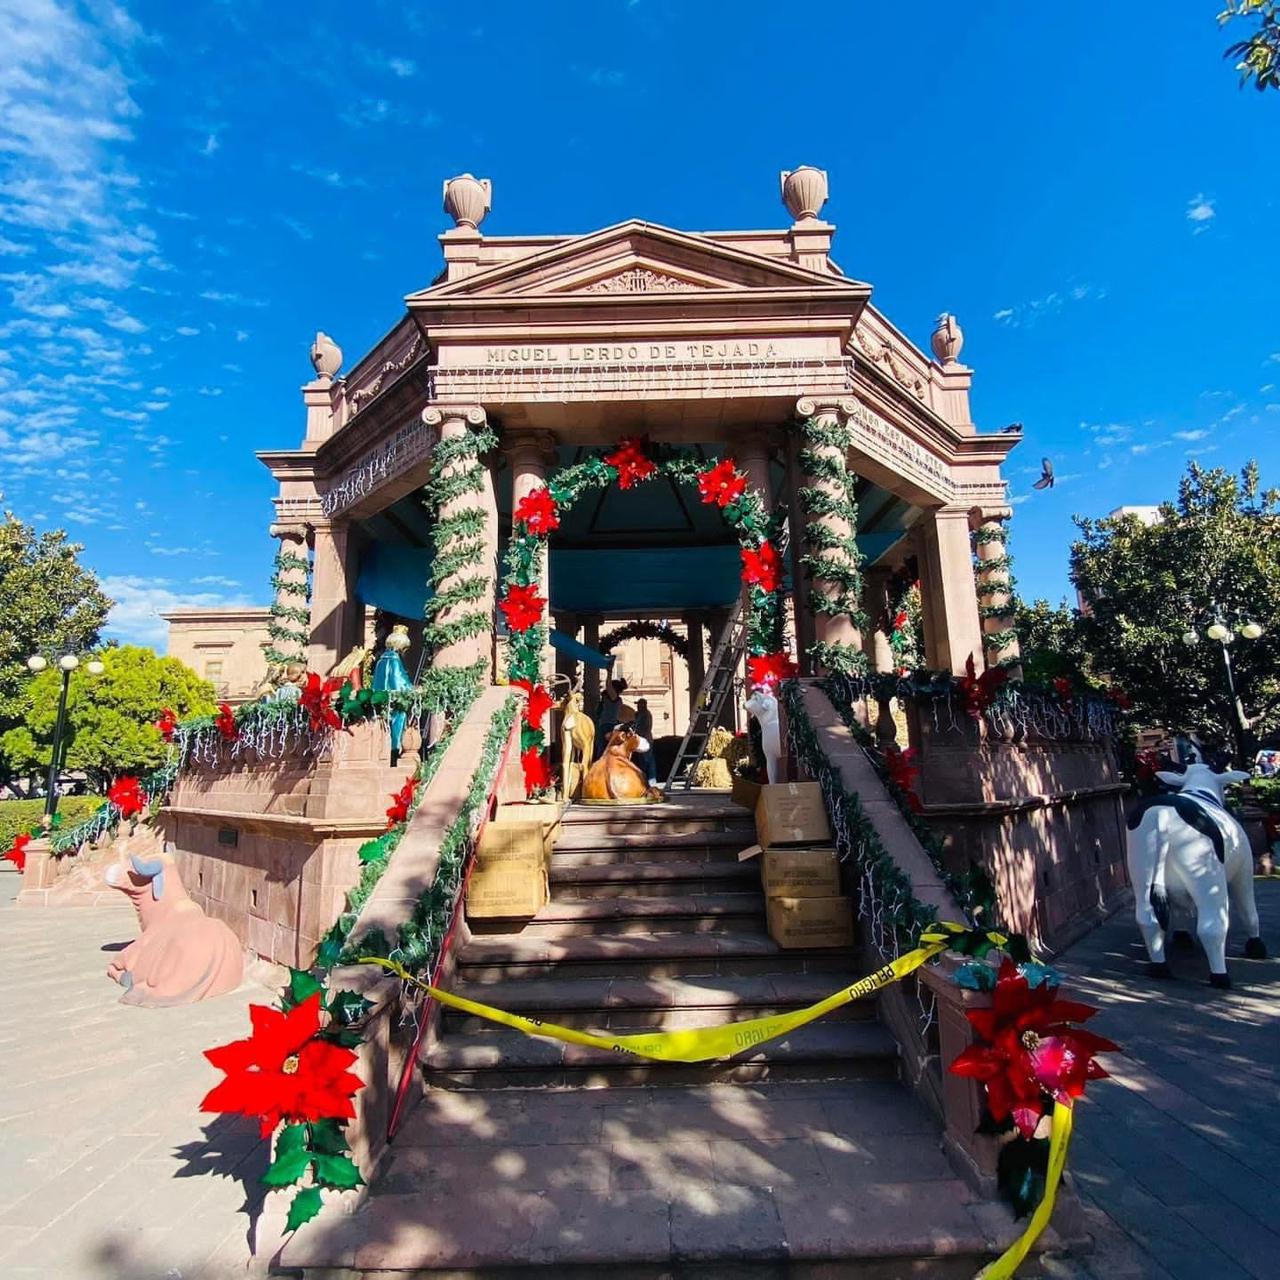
(536, 447)
(840, 408)
(453, 419)
(980, 517)
(288, 532)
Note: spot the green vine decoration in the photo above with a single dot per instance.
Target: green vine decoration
(289, 625)
(833, 562)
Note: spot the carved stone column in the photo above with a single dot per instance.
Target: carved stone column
(332, 591)
(948, 593)
(529, 454)
(566, 665)
(878, 649)
(453, 422)
(292, 590)
(751, 452)
(697, 659)
(995, 588)
(829, 628)
(591, 675)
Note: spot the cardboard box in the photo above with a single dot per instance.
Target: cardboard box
(509, 878)
(745, 792)
(791, 813)
(810, 922)
(547, 813)
(800, 873)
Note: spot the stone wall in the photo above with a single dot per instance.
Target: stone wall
(270, 845)
(1043, 817)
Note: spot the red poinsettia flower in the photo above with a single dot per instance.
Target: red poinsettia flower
(127, 796)
(523, 607)
(630, 461)
(1028, 1054)
(283, 1071)
(900, 620)
(980, 690)
(400, 803)
(722, 484)
(537, 511)
(17, 851)
(1147, 762)
(537, 771)
(763, 567)
(765, 670)
(539, 703)
(903, 773)
(316, 699)
(167, 724)
(1062, 687)
(1117, 696)
(225, 722)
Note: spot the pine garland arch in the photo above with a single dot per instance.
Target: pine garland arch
(635, 461)
(644, 630)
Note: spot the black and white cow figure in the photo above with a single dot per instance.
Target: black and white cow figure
(1187, 852)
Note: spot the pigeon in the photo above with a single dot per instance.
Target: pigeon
(1014, 428)
(1046, 475)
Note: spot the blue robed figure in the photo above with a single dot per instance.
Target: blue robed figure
(390, 676)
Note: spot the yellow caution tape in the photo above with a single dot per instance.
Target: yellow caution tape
(1060, 1136)
(697, 1044)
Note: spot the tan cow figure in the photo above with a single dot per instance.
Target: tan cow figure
(181, 955)
(614, 777)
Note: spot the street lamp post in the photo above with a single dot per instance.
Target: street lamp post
(1219, 631)
(66, 664)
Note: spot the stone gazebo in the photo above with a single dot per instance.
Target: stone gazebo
(719, 340)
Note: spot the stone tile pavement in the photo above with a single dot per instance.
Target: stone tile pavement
(1179, 1154)
(108, 1171)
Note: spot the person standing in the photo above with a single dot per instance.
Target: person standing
(608, 713)
(644, 727)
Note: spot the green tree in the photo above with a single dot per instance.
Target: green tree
(1215, 552)
(1258, 55)
(1051, 642)
(49, 602)
(110, 718)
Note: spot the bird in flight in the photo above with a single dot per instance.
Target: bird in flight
(1046, 475)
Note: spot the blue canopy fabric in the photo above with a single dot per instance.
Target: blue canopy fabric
(394, 578)
(566, 644)
(661, 578)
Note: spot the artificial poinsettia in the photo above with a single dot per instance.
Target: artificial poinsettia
(980, 690)
(127, 796)
(1062, 687)
(762, 567)
(1028, 1054)
(523, 607)
(284, 1070)
(400, 803)
(630, 461)
(537, 772)
(537, 511)
(17, 851)
(765, 670)
(722, 484)
(900, 620)
(167, 724)
(316, 699)
(225, 722)
(903, 773)
(1117, 696)
(539, 703)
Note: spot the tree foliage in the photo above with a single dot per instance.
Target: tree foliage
(111, 717)
(49, 603)
(1258, 56)
(1214, 553)
(1052, 644)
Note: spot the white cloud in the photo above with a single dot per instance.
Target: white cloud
(210, 391)
(186, 331)
(299, 229)
(331, 177)
(211, 145)
(231, 299)
(1190, 435)
(1027, 313)
(1005, 313)
(139, 602)
(402, 67)
(1273, 358)
(1201, 211)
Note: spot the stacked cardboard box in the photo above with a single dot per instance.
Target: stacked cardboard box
(513, 861)
(799, 868)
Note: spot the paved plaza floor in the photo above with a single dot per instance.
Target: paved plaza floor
(111, 1173)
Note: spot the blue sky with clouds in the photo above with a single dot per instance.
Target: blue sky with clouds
(188, 192)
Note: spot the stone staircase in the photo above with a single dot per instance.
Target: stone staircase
(803, 1158)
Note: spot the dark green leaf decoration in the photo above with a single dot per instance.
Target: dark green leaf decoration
(1021, 1171)
(302, 986)
(293, 1137)
(306, 1204)
(327, 1137)
(346, 1007)
(287, 1167)
(338, 1172)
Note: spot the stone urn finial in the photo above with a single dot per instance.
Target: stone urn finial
(948, 338)
(326, 356)
(467, 199)
(804, 191)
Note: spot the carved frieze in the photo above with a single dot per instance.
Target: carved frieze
(640, 280)
(881, 354)
(397, 363)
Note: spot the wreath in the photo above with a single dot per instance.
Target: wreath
(643, 630)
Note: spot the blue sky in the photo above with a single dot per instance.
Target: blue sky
(188, 192)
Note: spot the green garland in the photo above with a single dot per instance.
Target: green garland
(646, 630)
(290, 625)
(994, 643)
(833, 561)
(457, 575)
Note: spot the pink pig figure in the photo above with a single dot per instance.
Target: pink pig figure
(181, 955)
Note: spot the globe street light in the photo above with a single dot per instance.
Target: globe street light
(1218, 630)
(67, 663)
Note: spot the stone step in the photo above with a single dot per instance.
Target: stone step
(582, 839)
(646, 851)
(580, 881)
(500, 957)
(605, 1004)
(621, 917)
(499, 1057)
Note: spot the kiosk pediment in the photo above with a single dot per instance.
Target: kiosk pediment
(636, 259)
